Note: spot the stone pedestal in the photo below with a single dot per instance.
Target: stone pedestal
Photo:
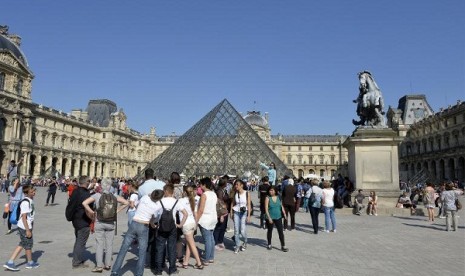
(374, 160)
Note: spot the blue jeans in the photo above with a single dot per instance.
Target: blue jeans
(329, 215)
(209, 243)
(240, 228)
(141, 232)
(168, 241)
(306, 204)
(130, 216)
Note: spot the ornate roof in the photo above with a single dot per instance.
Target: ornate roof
(254, 118)
(7, 45)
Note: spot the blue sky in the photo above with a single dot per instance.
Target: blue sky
(167, 63)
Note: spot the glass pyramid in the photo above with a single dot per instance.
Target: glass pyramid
(222, 142)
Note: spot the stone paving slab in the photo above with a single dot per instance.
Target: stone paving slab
(363, 245)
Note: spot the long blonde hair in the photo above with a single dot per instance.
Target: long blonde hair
(190, 194)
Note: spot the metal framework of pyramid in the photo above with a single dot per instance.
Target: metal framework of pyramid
(222, 142)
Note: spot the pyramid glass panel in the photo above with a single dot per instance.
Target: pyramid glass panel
(222, 142)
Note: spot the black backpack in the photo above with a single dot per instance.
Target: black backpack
(166, 223)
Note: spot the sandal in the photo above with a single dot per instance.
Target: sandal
(185, 266)
(196, 266)
(98, 269)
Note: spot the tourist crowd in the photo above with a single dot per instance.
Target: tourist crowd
(164, 217)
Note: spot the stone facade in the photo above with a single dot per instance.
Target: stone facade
(97, 141)
(322, 155)
(433, 147)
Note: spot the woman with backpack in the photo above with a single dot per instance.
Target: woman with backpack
(222, 223)
(314, 195)
(105, 215)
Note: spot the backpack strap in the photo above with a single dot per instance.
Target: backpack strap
(174, 204)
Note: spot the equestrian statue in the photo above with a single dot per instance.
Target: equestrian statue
(370, 102)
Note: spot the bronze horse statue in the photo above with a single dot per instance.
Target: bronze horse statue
(370, 102)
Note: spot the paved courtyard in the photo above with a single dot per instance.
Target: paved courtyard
(363, 245)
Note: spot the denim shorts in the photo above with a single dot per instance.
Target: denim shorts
(24, 241)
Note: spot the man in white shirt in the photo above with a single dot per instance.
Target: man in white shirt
(168, 239)
(150, 185)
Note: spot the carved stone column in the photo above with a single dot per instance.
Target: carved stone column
(76, 167)
(14, 131)
(92, 169)
(25, 165)
(84, 168)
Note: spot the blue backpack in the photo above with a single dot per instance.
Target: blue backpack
(14, 217)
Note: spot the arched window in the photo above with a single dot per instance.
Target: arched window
(2, 81)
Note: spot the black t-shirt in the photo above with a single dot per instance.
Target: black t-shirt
(76, 211)
(263, 192)
(53, 187)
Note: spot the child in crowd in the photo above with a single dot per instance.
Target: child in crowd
(25, 223)
(133, 199)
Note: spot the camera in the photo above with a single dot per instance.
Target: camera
(243, 209)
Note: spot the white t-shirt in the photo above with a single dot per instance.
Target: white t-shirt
(328, 195)
(145, 210)
(184, 202)
(240, 200)
(134, 198)
(209, 218)
(27, 207)
(168, 202)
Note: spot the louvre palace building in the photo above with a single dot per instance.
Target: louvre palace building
(96, 141)
(433, 148)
